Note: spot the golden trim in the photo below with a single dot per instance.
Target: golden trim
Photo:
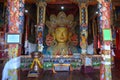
(61, 65)
(37, 14)
(86, 15)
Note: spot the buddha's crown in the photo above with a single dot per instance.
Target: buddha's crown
(61, 20)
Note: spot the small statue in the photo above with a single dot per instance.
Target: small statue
(36, 65)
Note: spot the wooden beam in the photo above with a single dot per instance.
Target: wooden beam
(31, 1)
(117, 3)
(92, 2)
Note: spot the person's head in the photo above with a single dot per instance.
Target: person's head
(61, 34)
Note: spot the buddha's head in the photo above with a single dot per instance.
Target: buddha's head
(61, 34)
(61, 27)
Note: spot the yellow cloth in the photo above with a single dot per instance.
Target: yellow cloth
(38, 62)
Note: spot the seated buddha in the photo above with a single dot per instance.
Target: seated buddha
(60, 27)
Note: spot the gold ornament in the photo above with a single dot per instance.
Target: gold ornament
(61, 20)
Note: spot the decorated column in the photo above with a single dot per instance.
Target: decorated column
(83, 12)
(15, 26)
(106, 37)
(41, 10)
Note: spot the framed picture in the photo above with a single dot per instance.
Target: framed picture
(107, 35)
(13, 38)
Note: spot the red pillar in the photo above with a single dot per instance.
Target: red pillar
(15, 25)
(104, 17)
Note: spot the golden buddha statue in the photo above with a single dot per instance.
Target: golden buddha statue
(60, 28)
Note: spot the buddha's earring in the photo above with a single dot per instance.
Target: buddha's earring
(54, 43)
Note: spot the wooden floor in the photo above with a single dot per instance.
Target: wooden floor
(75, 75)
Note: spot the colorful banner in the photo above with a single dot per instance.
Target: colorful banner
(41, 22)
(40, 37)
(83, 28)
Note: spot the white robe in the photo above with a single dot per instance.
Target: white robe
(10, 65)
(90, 49)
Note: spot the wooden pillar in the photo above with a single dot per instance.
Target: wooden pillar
(15, 25)
(104, 24)
(41, 11)
(94, 36)
(83, 18)
(26, 35)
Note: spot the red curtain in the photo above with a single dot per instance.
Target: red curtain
(117, 51)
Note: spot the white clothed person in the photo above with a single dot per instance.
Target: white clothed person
(90, 49)
(10, 65)
(29, 47)
(32, 47)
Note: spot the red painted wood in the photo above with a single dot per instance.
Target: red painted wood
(117, 50)
(61, 2)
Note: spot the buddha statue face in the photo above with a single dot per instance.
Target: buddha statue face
(61, 34)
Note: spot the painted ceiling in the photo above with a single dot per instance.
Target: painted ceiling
(117, 2)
